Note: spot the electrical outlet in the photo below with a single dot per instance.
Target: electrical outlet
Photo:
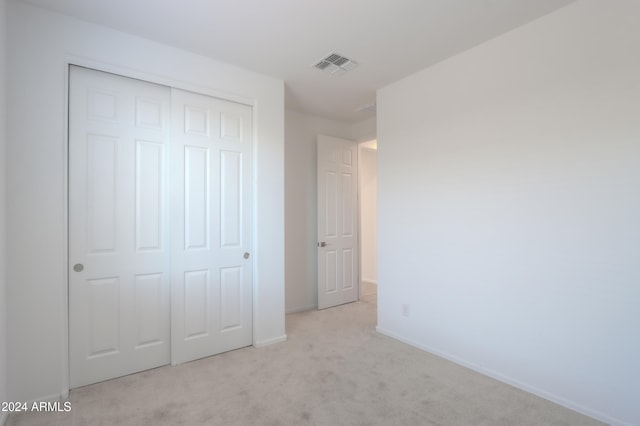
(405, 310)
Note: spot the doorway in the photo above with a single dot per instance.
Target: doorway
(347, 221)
(368, 190)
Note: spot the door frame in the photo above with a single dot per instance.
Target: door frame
(73, 60)
(362, 146)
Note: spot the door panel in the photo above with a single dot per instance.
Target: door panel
(196, 286)
(337, 222)
(104, 323)
(149, 309)
(231, 298)
(102, 165)
(230, 199)
(196, 196)
(211, 207)
(118, 226)
(149, 195)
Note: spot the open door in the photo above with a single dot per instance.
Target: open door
(337, 221)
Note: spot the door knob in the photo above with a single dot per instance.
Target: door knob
(78, 267)
(322, 244)
(246, 255)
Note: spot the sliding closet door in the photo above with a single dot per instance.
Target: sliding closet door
(211, 226)
(119, 251)
(159, 226)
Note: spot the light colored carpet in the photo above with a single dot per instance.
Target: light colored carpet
(334, 370)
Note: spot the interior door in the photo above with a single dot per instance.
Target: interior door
(118, 226)
(211, 226)
(337, 221)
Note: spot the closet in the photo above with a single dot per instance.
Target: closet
(159, 225)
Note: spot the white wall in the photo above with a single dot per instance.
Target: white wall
(368, 170)
(41, 44)
(301, 131)
(509, 208)
(364, 130)
(3, 209)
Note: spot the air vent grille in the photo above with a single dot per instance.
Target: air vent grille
(322, 65)
(335, 64)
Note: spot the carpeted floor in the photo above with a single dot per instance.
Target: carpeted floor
(334, 370)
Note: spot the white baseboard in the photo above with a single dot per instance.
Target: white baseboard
(508, 380)
(262, 343)
(301, 309)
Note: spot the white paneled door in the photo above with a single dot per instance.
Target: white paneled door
(211, 226)
(158, 228)
(119, 250)
(337, 221)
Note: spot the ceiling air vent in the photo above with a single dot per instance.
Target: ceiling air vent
(335, 64)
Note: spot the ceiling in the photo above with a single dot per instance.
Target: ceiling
(390, 39)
